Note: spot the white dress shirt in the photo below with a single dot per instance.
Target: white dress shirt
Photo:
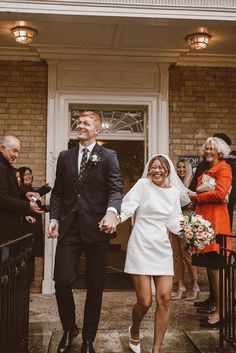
(81, 152)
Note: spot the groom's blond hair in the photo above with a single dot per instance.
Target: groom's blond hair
(92, 115)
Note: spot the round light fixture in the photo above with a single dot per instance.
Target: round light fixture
(24, 35)
(198, 40)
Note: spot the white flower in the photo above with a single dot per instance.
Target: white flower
(95, 158)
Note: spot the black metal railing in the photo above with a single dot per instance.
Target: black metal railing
(15, 265)
(227, 332)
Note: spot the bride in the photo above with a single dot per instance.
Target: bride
(154, 201)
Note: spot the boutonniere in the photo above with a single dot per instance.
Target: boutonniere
(95, 159)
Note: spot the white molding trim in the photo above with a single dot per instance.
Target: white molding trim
(157, 142)
(58, 134)
(19, 54)
(77, 53)
(201, 9)
(180, 58)
(50, 244)
(209, 60)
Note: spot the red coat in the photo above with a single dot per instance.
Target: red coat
(210, 204)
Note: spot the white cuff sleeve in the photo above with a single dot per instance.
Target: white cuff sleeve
(113, 209)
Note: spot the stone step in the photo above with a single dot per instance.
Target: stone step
(107, 341)
(207, 341)
(111, 341)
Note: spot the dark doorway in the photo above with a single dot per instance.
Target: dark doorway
(131, 158)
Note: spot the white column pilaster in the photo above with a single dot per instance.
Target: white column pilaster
(50, 245)
(163, 109)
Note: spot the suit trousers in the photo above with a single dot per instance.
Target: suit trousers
(68, 252)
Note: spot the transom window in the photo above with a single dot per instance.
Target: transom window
(128, 124)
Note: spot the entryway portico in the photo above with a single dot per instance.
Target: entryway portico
(115, 53)
(65, 88)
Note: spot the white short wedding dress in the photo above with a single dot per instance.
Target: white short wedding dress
(156, 210)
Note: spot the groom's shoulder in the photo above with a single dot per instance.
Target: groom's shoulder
(66, 153)
(106, 151)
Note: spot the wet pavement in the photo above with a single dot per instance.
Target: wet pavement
(184, 334)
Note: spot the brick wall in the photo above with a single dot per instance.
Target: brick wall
(202, 102)
(23, 111)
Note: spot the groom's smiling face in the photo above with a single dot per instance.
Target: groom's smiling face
(87, 129)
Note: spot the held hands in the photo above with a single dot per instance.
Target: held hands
(33, 194)
(34, 207)
(53, 229)
(109, 223)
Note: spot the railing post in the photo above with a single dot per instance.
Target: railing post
(15, 267)
(227, 292)
(220, 241)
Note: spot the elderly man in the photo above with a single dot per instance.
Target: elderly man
(12, 208)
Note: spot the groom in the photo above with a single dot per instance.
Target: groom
(84, 207)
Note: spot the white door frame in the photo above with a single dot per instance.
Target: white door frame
(58, 132)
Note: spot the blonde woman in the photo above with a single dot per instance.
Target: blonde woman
(182, 257)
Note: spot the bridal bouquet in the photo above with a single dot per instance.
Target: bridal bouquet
(196, 231)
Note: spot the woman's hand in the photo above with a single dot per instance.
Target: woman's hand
(192, 195)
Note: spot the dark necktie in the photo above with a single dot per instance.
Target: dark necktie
(83, 163)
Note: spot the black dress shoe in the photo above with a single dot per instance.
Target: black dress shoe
(87, 347)
(204, 304)
(207, 324)
(208, 310)
(67, 339)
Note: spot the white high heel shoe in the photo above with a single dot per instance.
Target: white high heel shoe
(134, 345)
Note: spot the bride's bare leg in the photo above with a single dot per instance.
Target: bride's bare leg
(162, 314)
(142, 285)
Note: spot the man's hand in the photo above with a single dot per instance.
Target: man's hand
(30, 219)
(31, 194)
(108, 223)
(34, 208)
(53, 229)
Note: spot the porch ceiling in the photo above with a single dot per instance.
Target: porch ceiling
(76, 35)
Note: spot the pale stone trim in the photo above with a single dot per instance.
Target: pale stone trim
(225, 4)
(58, 133)
(181, 57)
(18, 54)
(207, 60)
(50, 245)
(202, 9)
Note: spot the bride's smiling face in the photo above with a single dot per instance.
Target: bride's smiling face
(158, 173)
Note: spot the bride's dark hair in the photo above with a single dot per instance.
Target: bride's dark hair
(164, 162)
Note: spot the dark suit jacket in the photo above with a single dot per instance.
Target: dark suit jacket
(100, 188)
(11, 205)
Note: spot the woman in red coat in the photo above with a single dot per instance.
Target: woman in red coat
(212, 205)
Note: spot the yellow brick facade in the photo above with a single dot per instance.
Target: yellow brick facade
(202, 102)
(23, 111)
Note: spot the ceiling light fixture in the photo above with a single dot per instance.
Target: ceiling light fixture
(198, 40)
(24, 35)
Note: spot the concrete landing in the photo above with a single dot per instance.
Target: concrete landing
(209, 343)
(111, 341)
(184, 334)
